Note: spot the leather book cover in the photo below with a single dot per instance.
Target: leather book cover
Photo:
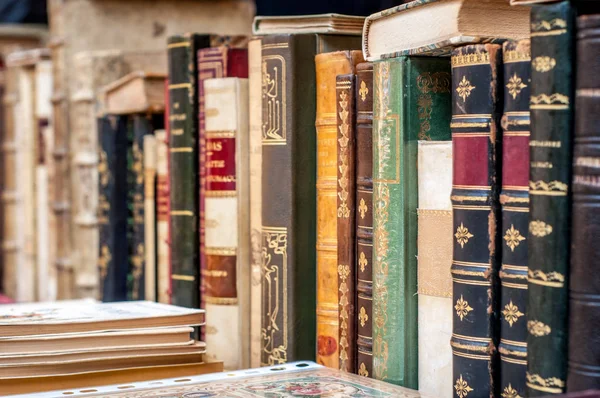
(434, 281)
(183, 171)
(163, 273)
(113, 256)
(476, 136)
(363, 261)
(142, 125)
(255, 123)
(551, 108)
(150, 254)
(328, 66)
(514, 201)
(288, 186)
(411, 102)
(213, 62)
(346, 179)
(164, 284)
(584, 288)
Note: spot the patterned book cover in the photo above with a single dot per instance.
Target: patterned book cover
(328, 66)
(411, 101)
(514, 200)
(476, 112)
(363, 261)
(584, 288)
(150, 254)
(163, 272)
(551, 107)
(288, 185)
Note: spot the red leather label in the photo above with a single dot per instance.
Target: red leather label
(515, 158)
(220, 164)
(471, 151)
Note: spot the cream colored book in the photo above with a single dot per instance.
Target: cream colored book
(434, 27)
(227, 215)
(320, 23)
(163, 272)
(255, 120)
(150, 217)
(137, 92)
(434, 262)
(81, 316)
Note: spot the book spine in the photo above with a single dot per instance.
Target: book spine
(476, 137)
(288, 187)
(514, 199)
(434, 281)
(150, 256)
(163, 273)
(165, 192)
(411, 101)
(346, 179)
(183, 172)
(61, 200)
(328, 65)
(227, 219)
(255, 115)
(113, 253)
(364, 219)
(584, 354)
(549, 199)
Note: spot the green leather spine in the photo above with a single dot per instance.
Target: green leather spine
(552, 48)
(411, 101)
(289, 193)
(183, 173)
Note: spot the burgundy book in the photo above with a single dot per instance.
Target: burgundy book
(213, 63)
(167, 191)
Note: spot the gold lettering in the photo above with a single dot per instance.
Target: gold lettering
(177, 131)
(545, 144)
(215, 164)
(214, 146)
(541, 165)
(215, 273)
(590, 181)
(229, 178)
(178, 117)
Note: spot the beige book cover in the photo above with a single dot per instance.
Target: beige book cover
(320, 23)
(434, 261)
(150, 217)
(255, 120)
(163, 273)
(227, 215)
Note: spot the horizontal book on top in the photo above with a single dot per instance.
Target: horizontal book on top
(320, 23)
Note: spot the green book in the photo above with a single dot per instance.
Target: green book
(411, 102)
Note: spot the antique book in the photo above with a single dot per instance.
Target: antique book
(320, 23)
(398, 123)
(37, 345)
(46, 273)
(551, 107)
(584, 289)
(328, 66)
(163, 271)
(227, 243)
(255, 160)
(149, 148)
(434, 281)
(288, 184)
(92, 70)
(514, 200)
(143, 125)
(82, 381)
(400, 30)
(364, 219)
(213, 62)
(476, 134)
(183, 171)
(137, 92)
(293, 379)
(79, 316)
(345, 228)
(113, 187)
(77, 26)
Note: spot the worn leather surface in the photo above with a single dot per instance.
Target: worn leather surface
(411, 102)
(328, 66)
(476, 112)
(551, 107)
(113, 254)
(584, 289)
(514, 200)
(183, 172)
(289, 193)
(364, 219)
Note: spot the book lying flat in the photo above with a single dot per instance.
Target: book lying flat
(320, 23)
(89, 316)
(297, 379)
(93, 341)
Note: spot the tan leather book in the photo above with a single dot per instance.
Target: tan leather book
(321, 23)
(227, 215)
(163, 272)
(81, 25)
(137, 92)
(255, 122)
(149, 151)
(328, 66)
